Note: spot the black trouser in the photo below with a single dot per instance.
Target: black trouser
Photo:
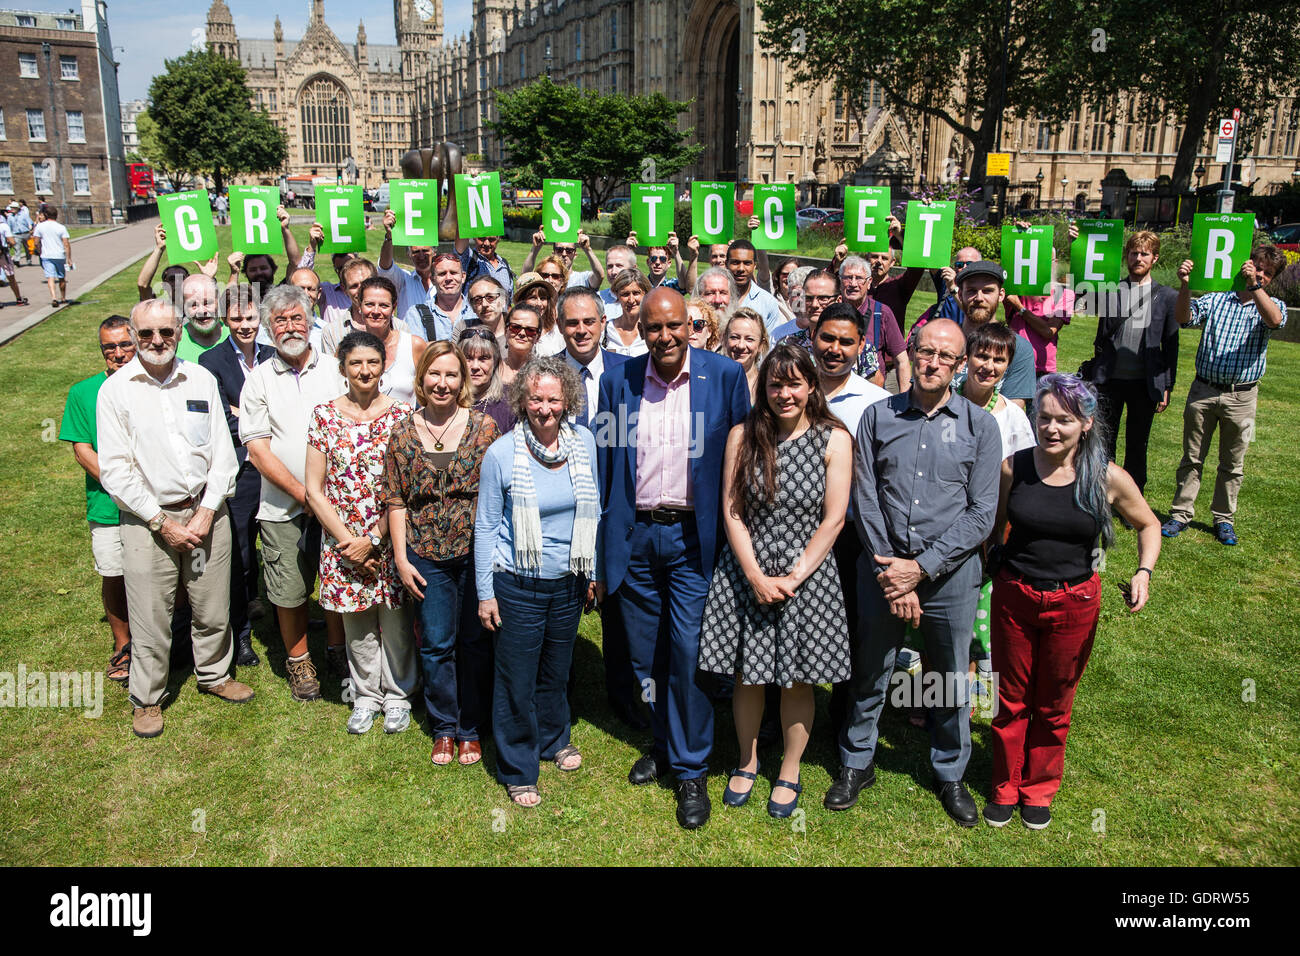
(243, 505)
(1115, 395)
(848, 546)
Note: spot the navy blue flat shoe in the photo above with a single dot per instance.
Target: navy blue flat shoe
(733, 799)
(783, 810)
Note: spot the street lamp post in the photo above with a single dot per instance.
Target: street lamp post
(1039, 179)
(1065, 198)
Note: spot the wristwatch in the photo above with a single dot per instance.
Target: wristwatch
(157, 523)
(375, 540)
(1255, 288)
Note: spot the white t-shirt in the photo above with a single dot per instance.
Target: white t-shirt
(1017, 433)
(51, 234)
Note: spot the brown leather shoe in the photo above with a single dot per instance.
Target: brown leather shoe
(231, 690)
(443, 750)
(470, 752)
(147, 721)
(302, 679)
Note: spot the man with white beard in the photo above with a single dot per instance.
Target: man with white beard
(203, 326)
(166, 457)
(274, 411)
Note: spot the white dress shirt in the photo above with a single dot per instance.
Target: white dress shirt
(852, 400)
(276, 403)
(410, 290)
(589, 375)
(163, 442)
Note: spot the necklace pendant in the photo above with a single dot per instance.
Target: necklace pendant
(437, 446)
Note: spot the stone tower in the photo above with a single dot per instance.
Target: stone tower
(221, 31)
(418, 24)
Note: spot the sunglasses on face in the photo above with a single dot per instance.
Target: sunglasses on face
(116, 347)
(551, 275)
(523, 331)
(165, 334)
(657, 258)
(477, 332)
(699, 325)
(565, 250)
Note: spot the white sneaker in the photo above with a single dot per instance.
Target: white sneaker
(361, 720)
(395, 721)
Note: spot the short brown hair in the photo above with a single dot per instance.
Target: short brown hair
(1146, 239)
(435, 351)
(1267, 254)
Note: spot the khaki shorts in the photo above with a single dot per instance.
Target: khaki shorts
(106, 547)
(290, 574)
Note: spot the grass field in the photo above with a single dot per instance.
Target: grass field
(1167, 763)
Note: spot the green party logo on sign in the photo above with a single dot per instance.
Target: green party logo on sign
(1220, 246)
(928, 240)
(253, 225)
(775, 208)
(187, 219)
(415, 205)
(652, 212)
(478, 205)
(340, 210)
(1098, 254)
(1027, 259)
(866, 209)
(561, 209)
(713, 211)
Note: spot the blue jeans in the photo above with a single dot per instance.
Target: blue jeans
(455, 655)
(530, 710)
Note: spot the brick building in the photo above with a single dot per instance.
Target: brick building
(60, 121)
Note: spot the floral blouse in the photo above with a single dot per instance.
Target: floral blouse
(440, 502)
(354, 469)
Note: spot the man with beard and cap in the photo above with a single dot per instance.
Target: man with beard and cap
(980, 292)
(274, 411)
(166, 457)
(203, 328)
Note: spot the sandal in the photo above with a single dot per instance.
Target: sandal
(120, 661)
(443, 748)
(564, 754)
(471, 752)
(516, 792)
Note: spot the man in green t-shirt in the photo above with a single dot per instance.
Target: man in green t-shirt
(203, 325)
(105, 542)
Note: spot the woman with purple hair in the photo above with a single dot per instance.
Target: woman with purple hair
(1058, 498)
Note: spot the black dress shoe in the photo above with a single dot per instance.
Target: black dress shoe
(956, 799)
(693, 805)
(630, 715)
(844, 791)
(647, 769)
(245, 656)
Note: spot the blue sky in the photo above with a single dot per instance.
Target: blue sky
(145, 32)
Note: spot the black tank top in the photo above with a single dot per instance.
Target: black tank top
(1051, 538)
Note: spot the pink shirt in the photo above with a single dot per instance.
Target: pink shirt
(1060, 304)
(663, 441)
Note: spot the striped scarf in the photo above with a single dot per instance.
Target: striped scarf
(525, 516)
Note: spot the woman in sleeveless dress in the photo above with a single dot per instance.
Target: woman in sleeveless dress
(775, 611)
(1057, 498)
(402, 350)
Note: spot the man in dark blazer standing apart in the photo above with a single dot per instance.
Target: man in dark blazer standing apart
(660, 431)
(230, 361)
(581, 321)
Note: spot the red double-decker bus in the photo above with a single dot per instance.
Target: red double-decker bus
(141, 177)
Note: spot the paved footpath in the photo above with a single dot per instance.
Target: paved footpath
(97, 257)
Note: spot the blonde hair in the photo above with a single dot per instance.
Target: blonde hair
(710, 316)
(555, 259)
(435, 351)
(764, 341)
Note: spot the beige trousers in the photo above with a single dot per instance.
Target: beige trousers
(153, 570)
(1233, 413)
(381, 657)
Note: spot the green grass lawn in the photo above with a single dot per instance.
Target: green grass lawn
(1166, 765)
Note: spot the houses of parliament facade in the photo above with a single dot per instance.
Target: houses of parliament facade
(340, 99)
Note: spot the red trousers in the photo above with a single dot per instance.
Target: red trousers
(1041, 643)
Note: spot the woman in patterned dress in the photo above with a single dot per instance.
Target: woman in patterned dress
(775, 612)
(346, 442)
(431, 480)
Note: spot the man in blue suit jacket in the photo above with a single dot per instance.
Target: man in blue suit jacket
(582, 323)
(660, 431)
(228, 363)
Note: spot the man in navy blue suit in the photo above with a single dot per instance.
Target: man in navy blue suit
(230, 362)
(661, 426)
(582, 323)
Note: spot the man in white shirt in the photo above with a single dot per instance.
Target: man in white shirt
(414, 286)
(9, 249)
(336, 323)
(56, 252)
(275, 409)
(167, 459)
(836, 344)
(741, 263)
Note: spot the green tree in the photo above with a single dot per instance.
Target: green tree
(940, 58)
(605, 141)
(152, 152)
(1194, 60)
(205, 123)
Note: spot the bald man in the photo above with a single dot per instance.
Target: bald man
(926, 471)
(203, 327)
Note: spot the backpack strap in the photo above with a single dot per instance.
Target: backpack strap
(429, 321)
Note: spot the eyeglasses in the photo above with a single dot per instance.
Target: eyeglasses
(478, 332)
(699, 325)
(946, 358)
(281, 321)
(481, 299)
(657, 258)
(819, 299)
(551, 275)
(523, 331)
(148, 334)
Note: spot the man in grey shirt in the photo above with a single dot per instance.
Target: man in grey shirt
(925, 491)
